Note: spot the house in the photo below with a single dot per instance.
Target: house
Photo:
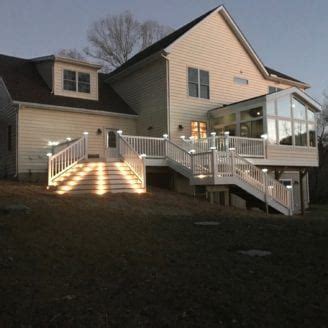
(199, 105)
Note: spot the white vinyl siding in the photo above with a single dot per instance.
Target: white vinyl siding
(38, 127)
(145, 92)
(224, 57)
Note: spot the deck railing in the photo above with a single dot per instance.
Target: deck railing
(151, 147)
(202, 163)
(177, 154)
(260, 180)
(65, 159)
(135, 161)
(245, 147)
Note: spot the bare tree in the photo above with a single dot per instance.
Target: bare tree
(319, 175)
(151, 31)
(71, 53)
(113, 39)
(116, 38)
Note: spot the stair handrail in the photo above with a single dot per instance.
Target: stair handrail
(135, 161)
(260, 180)
(68, 157)
(178, 154)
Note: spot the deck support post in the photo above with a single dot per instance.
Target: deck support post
(302, 174)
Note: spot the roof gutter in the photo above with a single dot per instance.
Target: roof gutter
(23, 104)
(287, 81)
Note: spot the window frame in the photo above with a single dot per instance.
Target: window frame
(293, 122)
(198, 128)
(77, 82)
(199, 84)
(237, 81)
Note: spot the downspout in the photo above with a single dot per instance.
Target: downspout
(17, 144)
(168, 107)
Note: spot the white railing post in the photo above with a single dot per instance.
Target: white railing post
(264, 137)
(49, 169)
(265, 177)
(233, 164)
(86, 134)
(290, 199)
(226, 140)
(165, 136)
(214, 160)
(213, 138)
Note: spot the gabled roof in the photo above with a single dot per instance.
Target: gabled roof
(164, 45)
(272, 71)
(161, 44)
(25, 84)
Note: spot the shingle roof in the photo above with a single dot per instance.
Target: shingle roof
(282, 75)
(161, 44)
(25, 84)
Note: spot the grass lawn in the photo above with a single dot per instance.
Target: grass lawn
(140, 261)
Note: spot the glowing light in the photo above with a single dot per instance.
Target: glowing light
(101, 185)
(213, 134)
(264, 170)
(165, 136)
(201, 176)
(85, 133)
(264, 136)
(119, 132)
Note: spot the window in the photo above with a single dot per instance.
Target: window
(285, 132)
(80, 84)
(286, 182)
(111, 139)
(272, 131)
(312, 135)
(84, 82)
(310, 116)
(252, 129)
(274, 89)
(69, 80)
(300, 133)
(9, 137)
(251, 114)
(232, 129)
(299, 111)
(240, 80)
(271, 108)
(225, 119)
(198, 83)
(198, 129)
(283, 107)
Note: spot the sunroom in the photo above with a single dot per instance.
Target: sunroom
(285, 121)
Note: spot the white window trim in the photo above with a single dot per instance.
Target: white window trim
(198, 83)
(77, 72)
(235, 78)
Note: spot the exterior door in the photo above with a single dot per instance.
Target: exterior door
(111, 144)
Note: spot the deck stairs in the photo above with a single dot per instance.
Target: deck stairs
(98, 178)
(223, 167)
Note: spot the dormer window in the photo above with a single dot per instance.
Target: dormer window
(76, 81)
(69, 80)
(84, 82)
